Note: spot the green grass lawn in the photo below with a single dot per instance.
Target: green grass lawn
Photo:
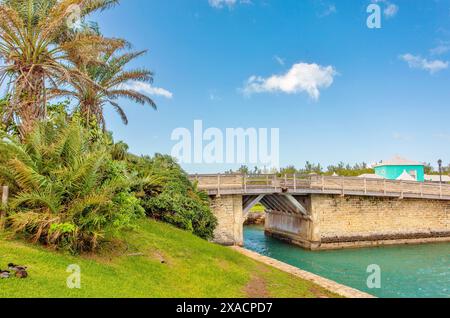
(191, 268)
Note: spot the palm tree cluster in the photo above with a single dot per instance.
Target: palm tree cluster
(44, 56)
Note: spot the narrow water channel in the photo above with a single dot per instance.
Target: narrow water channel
(406, 271)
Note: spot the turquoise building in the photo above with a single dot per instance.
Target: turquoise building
(401, 169)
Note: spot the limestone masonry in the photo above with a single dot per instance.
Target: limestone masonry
(318, 212)
(335, 221)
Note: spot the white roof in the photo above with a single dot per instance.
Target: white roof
(399, 161)
(436, 178)
(405, 176)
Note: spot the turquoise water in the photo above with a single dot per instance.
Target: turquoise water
(406, 271)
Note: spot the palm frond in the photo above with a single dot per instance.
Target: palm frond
(120, 111)
(26, 176)
(134, 75)
(37, 200)
(133, 95)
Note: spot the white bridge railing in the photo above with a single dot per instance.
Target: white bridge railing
(237, 183)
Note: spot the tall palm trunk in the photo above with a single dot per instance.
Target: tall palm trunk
(29, 100)
(88, 111)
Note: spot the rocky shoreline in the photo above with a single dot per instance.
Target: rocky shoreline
(255, 218)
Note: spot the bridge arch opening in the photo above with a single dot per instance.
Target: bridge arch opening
(280, 202)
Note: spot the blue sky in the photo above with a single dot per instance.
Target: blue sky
(381, 92)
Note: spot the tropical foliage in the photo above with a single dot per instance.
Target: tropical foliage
(38, 48)
(176, 200)
(71, 186)
(7, 124)
(107, 83)
(66, 190)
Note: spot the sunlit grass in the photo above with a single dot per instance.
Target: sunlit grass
(156, 261)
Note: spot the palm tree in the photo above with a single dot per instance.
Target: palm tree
(109, 81)
(6, 123)
(36, 46)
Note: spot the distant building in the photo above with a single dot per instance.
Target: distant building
(399, 168)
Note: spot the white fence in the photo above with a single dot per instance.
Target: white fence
(221, 183)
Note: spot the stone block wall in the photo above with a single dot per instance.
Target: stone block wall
(229, 212)
(352, 219)
(336, 221)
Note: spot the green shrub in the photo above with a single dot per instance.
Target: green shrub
(66, 191)
(171, 197)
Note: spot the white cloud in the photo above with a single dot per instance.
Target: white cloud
(329, 9)
(219, 4)
(442, 48)
(390, 9)
(416, 61)
(146, 88)
(324, 8)
(302, 77)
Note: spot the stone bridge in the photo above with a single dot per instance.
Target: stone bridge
(318, 212)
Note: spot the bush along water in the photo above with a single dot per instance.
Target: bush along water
(167, 194)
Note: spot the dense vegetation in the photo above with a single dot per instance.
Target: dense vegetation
(431, 170)
(71, 186)
(66, 190)
(177, 202)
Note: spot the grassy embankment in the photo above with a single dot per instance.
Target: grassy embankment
(156, 261)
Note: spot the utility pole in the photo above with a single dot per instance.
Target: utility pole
(440, 170)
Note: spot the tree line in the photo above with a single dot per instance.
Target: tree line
(341, 169)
